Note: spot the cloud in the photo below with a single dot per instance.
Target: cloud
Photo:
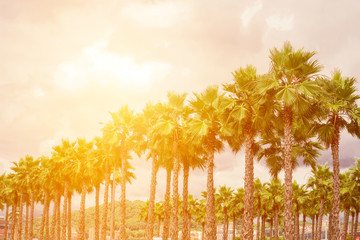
(281, 23)
(250, 12)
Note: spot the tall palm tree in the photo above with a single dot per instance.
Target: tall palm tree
(347, 198)
(223, 199)
(191, 157)
(341, 112)
(24, 170)
(83, 163)
(120, 134)
(320, 182)
(258, 192)
(299, 196)
(249, 115)
(355, 175)
(170, 125)
(62, 154)
(98, 179)
(150, 140)
(200, 215)
(273, 195)
(293, 87)
(237, 207)
(208, 124)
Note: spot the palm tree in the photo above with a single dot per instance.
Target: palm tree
(258, 192)
(83, 160)
(341, 112)
(170, 125)
(120, 135)
(207, 124)
(347, 198)
(273, 195)
(299, 196)
(355, 175)
(237, 207)
(7, 194)
(223, 199)
(151, 141)
(24, 170)
(191, 153)
(98, 178)
(247, 118)
(62, 154)
(292, 86)
(159, 213)
(320, 182)
(200, 215)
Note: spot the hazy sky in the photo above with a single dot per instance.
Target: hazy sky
(65, 64)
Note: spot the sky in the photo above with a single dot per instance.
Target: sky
(64, 65)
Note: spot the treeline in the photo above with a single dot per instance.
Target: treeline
(283, 116)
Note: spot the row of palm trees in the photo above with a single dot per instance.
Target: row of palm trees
(285, 115)
(311, 200)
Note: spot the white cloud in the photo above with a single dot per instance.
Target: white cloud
(281, 23)
(161, 15)
(38, 92)
(250, 12)
(98, 66)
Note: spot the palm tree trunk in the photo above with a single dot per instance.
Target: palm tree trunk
(6, 222)
(47, 218)
(97, 211)
(234, 228)
(287, 118)
(42, 228)
(150, 218)
(58, 217)
(356, 222)
(81, 222)
(330, 225)
(20, 216)
(227, 227)
(106, 198)
(352, 225)
(175, 194)
(32, 203)
(14, 220)
(224, 226)
(263, 221)
(320, 218)
(247, 228)
(303, 227)
(26, 234)
(316, 226)
(112, 225)
(346, 220)
(165, 234)
(123, 199)
(258, 223)
(69, 216)
(186, 224)
(271, 227)
(210, 219)
(64, 219)
(296, 224)
(336, 181)
(276, 223)
(53, 223)
(312, 227)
